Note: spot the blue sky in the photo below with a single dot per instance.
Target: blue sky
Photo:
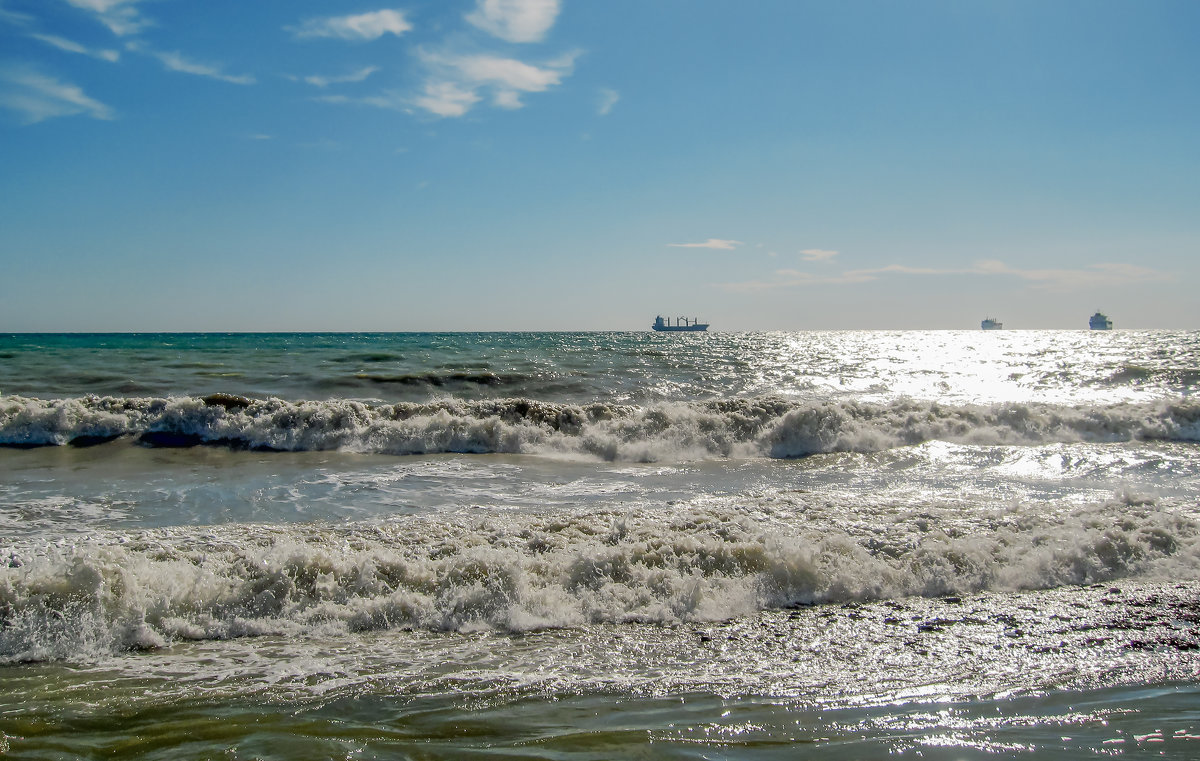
(576, 164)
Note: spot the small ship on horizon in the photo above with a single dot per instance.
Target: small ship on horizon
(681, 325)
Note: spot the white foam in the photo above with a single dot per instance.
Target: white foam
(660, 432)
(522, 572)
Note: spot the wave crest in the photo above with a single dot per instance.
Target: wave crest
(669, 431)
(122, 591)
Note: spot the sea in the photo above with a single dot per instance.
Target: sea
(626, 545)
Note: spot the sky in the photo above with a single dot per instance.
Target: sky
(279, 165)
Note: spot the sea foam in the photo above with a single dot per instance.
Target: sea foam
(117, 591)
(749, 427)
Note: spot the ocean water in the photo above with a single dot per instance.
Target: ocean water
(937, 545)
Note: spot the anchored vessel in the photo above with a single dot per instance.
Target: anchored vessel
(1100, 321)
(682, 324)
(991, 323)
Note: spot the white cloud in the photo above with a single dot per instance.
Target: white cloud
(454, 86)
(120, 16)
(455, 82)
(507, 73)
(515, 20)
(608, 99)
(175, 61)
(447, 99)
(817, 255)
(718, 243)
(357, 76)
(71, 46)
(364, 26)
(36, 97)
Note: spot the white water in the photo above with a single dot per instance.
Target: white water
(664, 431)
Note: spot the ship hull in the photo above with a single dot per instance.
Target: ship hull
(679, 328)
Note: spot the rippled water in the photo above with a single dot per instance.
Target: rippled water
(951, 544)
(952, 366)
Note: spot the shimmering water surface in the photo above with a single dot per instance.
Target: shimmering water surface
(599, 545)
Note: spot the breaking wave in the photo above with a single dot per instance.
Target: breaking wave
(769, 427)
(147, 589)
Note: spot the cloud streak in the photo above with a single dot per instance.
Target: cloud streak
(515, 20)
(122, 17)
(715, 243)
(817, 255)
(35, 97)
(70, 46)
(360, 27)
(1097, 275)
(175, 61)
(608, 99)
(356, 76)
(13, 17)
(1102, 274)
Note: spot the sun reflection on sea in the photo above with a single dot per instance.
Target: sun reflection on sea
(1055, 367)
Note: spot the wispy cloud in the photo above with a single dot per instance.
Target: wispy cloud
(122, 17)
(608, 99)
(443, 99)
(718, 243)
(1097, 275)
(515, 20)
(1102, 274)
(71, 46)
(817, 255)
(456, 81)
(13, 17)
(35, 97)
(363, 26)
(356, 76)
(175, 61)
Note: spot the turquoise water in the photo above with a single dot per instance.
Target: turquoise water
(598, 545)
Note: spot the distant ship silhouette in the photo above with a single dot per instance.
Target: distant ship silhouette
(682, 324)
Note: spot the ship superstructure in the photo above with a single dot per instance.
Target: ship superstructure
(681, 324)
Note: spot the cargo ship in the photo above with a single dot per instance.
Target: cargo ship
(1100, 321)
(991, 323)
(681, 325)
